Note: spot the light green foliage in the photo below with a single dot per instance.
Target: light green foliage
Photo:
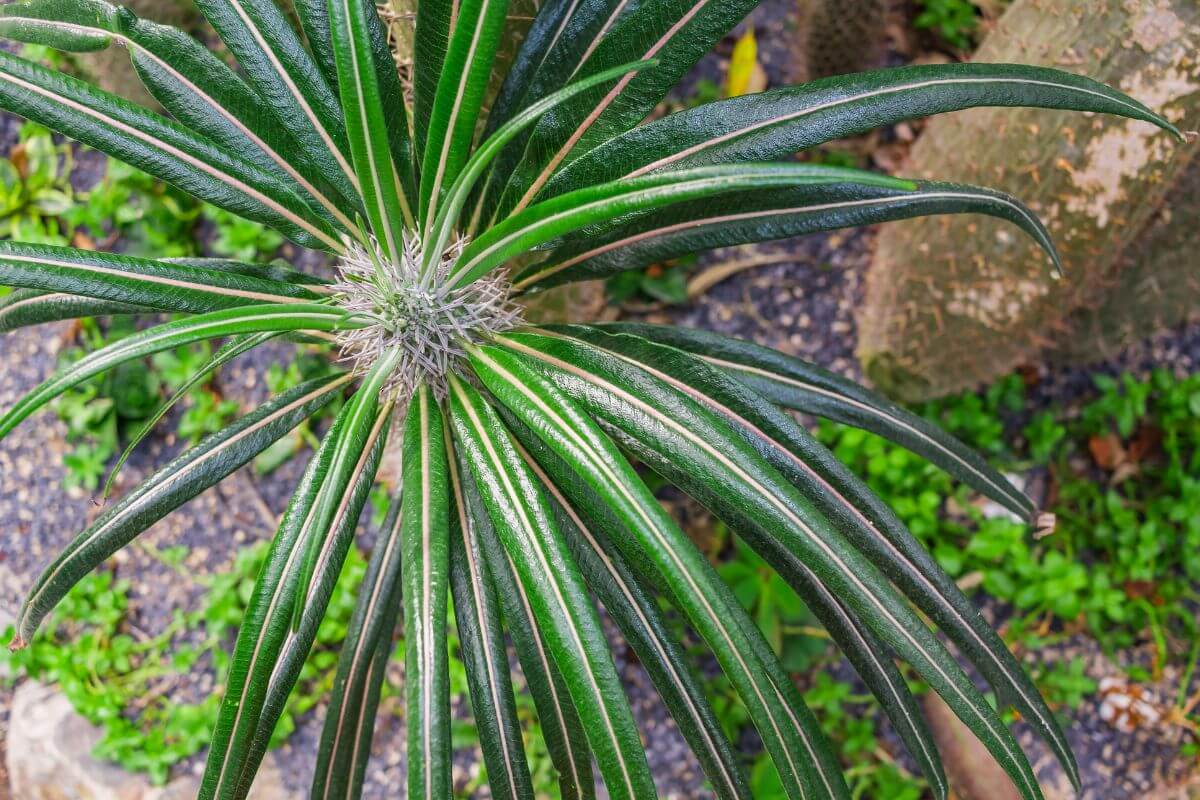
(955, 21)
(312, 363)
(781, 615)
(34, 187)
(1123, 556)
(102, 414)
(118, 681)
(241, 239)
(150, 218)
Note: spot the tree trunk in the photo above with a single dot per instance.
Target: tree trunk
(952, 302)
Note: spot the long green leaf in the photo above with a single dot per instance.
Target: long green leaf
(561, 727)
(198, 88)
(159, 146)
(434, 26)
(706, 458)
(782, 121)
(249, 319)
(276, 64)
(800, 385)
(265, 624)
(266, 629)
(26, 307)
(764, 215)
(604, 204)
(477, 611)
(366, 125)
(138, 281)
(349, 722)
(447, 218)
(425, 533)
(562, 33)
(464, 77)
(791, 735)
(314, 22)
(276, 270)
(865, 519)
(675, 33)
(869, 656)
(185, 477)
(636, 612)
(296, 649)
(523, 521)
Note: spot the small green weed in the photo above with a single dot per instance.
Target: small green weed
(122, 683)
(956, 22)
(241, 239)
(34, 187)
(1122, 562)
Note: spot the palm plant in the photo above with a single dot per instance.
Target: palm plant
(518, 497)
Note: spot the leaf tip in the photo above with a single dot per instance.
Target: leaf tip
(18, 642)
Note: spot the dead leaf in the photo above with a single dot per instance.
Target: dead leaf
(20, 159)
(743, 66)
(1107, 451)
(82, 241)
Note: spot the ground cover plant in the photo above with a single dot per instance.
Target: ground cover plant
(518, 498)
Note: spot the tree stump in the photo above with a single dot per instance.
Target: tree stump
(952, 302)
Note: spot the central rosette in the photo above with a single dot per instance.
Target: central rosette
(399, 306)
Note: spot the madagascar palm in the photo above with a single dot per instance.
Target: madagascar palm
(518, 498)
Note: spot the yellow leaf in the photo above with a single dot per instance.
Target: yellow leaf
(743, 65)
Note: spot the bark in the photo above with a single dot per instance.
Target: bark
(952, 302)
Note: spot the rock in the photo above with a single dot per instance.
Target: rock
(49, 758)
(971, 770)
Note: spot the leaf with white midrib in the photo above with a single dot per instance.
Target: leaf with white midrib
(138, 281)
(805, 387)
(179, 481)
(484, 651)
(187, 78)
(561, 728)
(456, 104)
(701, 595)
(159, 146)
(29, 307)
(544, 567)
(265, 630)
(635, 612)
(316, 596)
(276, 63)
(757, 216)
(425, 534)
(868, 522)
(566, 214)
(246, 319)
(350, 717)
(782, 121)
(366, 126)
(787, 517)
